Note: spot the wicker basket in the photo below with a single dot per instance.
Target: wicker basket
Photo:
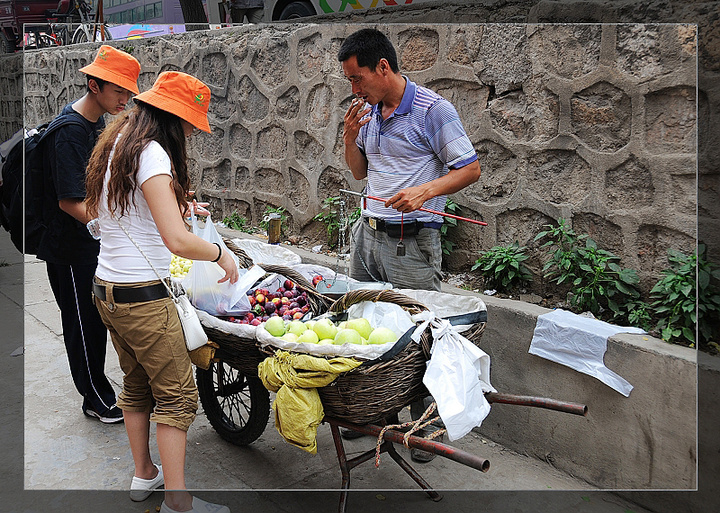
(241, 352)
(374, 391)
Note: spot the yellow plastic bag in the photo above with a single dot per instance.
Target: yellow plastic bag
(295, 378)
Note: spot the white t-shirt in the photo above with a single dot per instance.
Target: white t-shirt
(119, 260)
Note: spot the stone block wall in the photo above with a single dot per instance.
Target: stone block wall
(592, 123)
(11, 108)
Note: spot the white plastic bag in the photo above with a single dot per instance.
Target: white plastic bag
(202, 286)
(579, 343)
(263, 253)
(457, 376)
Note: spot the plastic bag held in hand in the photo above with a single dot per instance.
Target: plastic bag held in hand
(201, 283)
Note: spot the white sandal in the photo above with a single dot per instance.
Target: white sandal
(199, 506)
(140, 489)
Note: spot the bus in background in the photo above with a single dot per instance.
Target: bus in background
(130, 19)
(169, 12)
(142, 11)
(290, 9)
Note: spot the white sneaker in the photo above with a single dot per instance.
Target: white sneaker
(140, 489)
(199, 506)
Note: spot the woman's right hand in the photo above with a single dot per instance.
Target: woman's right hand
(227, 262)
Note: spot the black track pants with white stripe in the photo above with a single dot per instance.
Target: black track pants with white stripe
(84, 333)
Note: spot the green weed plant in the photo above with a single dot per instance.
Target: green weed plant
(687, 296)
(598, 282)
(237, 222)
(503, 267)
(448, 223)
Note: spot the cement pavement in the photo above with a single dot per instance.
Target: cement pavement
(73, 463)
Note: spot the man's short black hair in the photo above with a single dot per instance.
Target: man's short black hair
(100, 82)
(369, 46)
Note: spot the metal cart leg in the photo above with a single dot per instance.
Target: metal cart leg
(346, 465)
(409, 470)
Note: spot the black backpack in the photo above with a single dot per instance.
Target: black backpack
(12, 214)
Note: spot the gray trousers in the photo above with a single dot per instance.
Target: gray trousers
(419, 268)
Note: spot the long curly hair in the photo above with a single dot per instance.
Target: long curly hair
(138, 126)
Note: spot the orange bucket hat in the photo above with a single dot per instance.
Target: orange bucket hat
(180, 94)
(115, 66)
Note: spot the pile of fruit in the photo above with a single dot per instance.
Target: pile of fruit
(324, 331)
(286, 303)
(179, 266)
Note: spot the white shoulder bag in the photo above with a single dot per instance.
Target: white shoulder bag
(195, 336)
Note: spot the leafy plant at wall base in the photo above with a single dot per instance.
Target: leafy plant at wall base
(597, 280)
(639, 313)
(330, 217)
(601, 280)
(687, 295)
(447, 245)
(274, 210)
(237, 222)
(502, 266)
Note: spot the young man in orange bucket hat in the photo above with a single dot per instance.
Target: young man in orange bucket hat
(67, 247)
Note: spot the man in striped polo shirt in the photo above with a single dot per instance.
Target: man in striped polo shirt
(410, 144)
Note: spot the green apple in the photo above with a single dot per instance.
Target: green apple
(325, 329)
(275, 326)
(325, 342)
(361, 325)
(342, 325)
(382, 336)
(347, 336)
(307, 337)
(296, 327)
(290, 337)
(309, 324)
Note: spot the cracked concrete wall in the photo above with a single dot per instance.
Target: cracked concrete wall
(593, 123)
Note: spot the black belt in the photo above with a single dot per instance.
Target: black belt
(409, 228)
(132, 294)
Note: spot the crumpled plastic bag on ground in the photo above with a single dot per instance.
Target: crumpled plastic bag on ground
(580, 343)
(295, 379)
(457, 376)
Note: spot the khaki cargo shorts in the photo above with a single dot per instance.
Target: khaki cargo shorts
(150, 344)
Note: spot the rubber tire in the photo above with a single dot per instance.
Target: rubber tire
(79, 36)
(6, 45)
(255, 415)
(297, 10)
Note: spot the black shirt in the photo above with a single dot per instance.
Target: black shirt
(66, 153)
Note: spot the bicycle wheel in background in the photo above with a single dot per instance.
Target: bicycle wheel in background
(83, 34)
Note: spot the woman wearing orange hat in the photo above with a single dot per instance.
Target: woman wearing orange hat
(137, 182)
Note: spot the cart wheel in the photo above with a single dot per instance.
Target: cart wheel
(237, 406)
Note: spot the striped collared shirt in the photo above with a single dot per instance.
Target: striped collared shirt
(416, 144)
